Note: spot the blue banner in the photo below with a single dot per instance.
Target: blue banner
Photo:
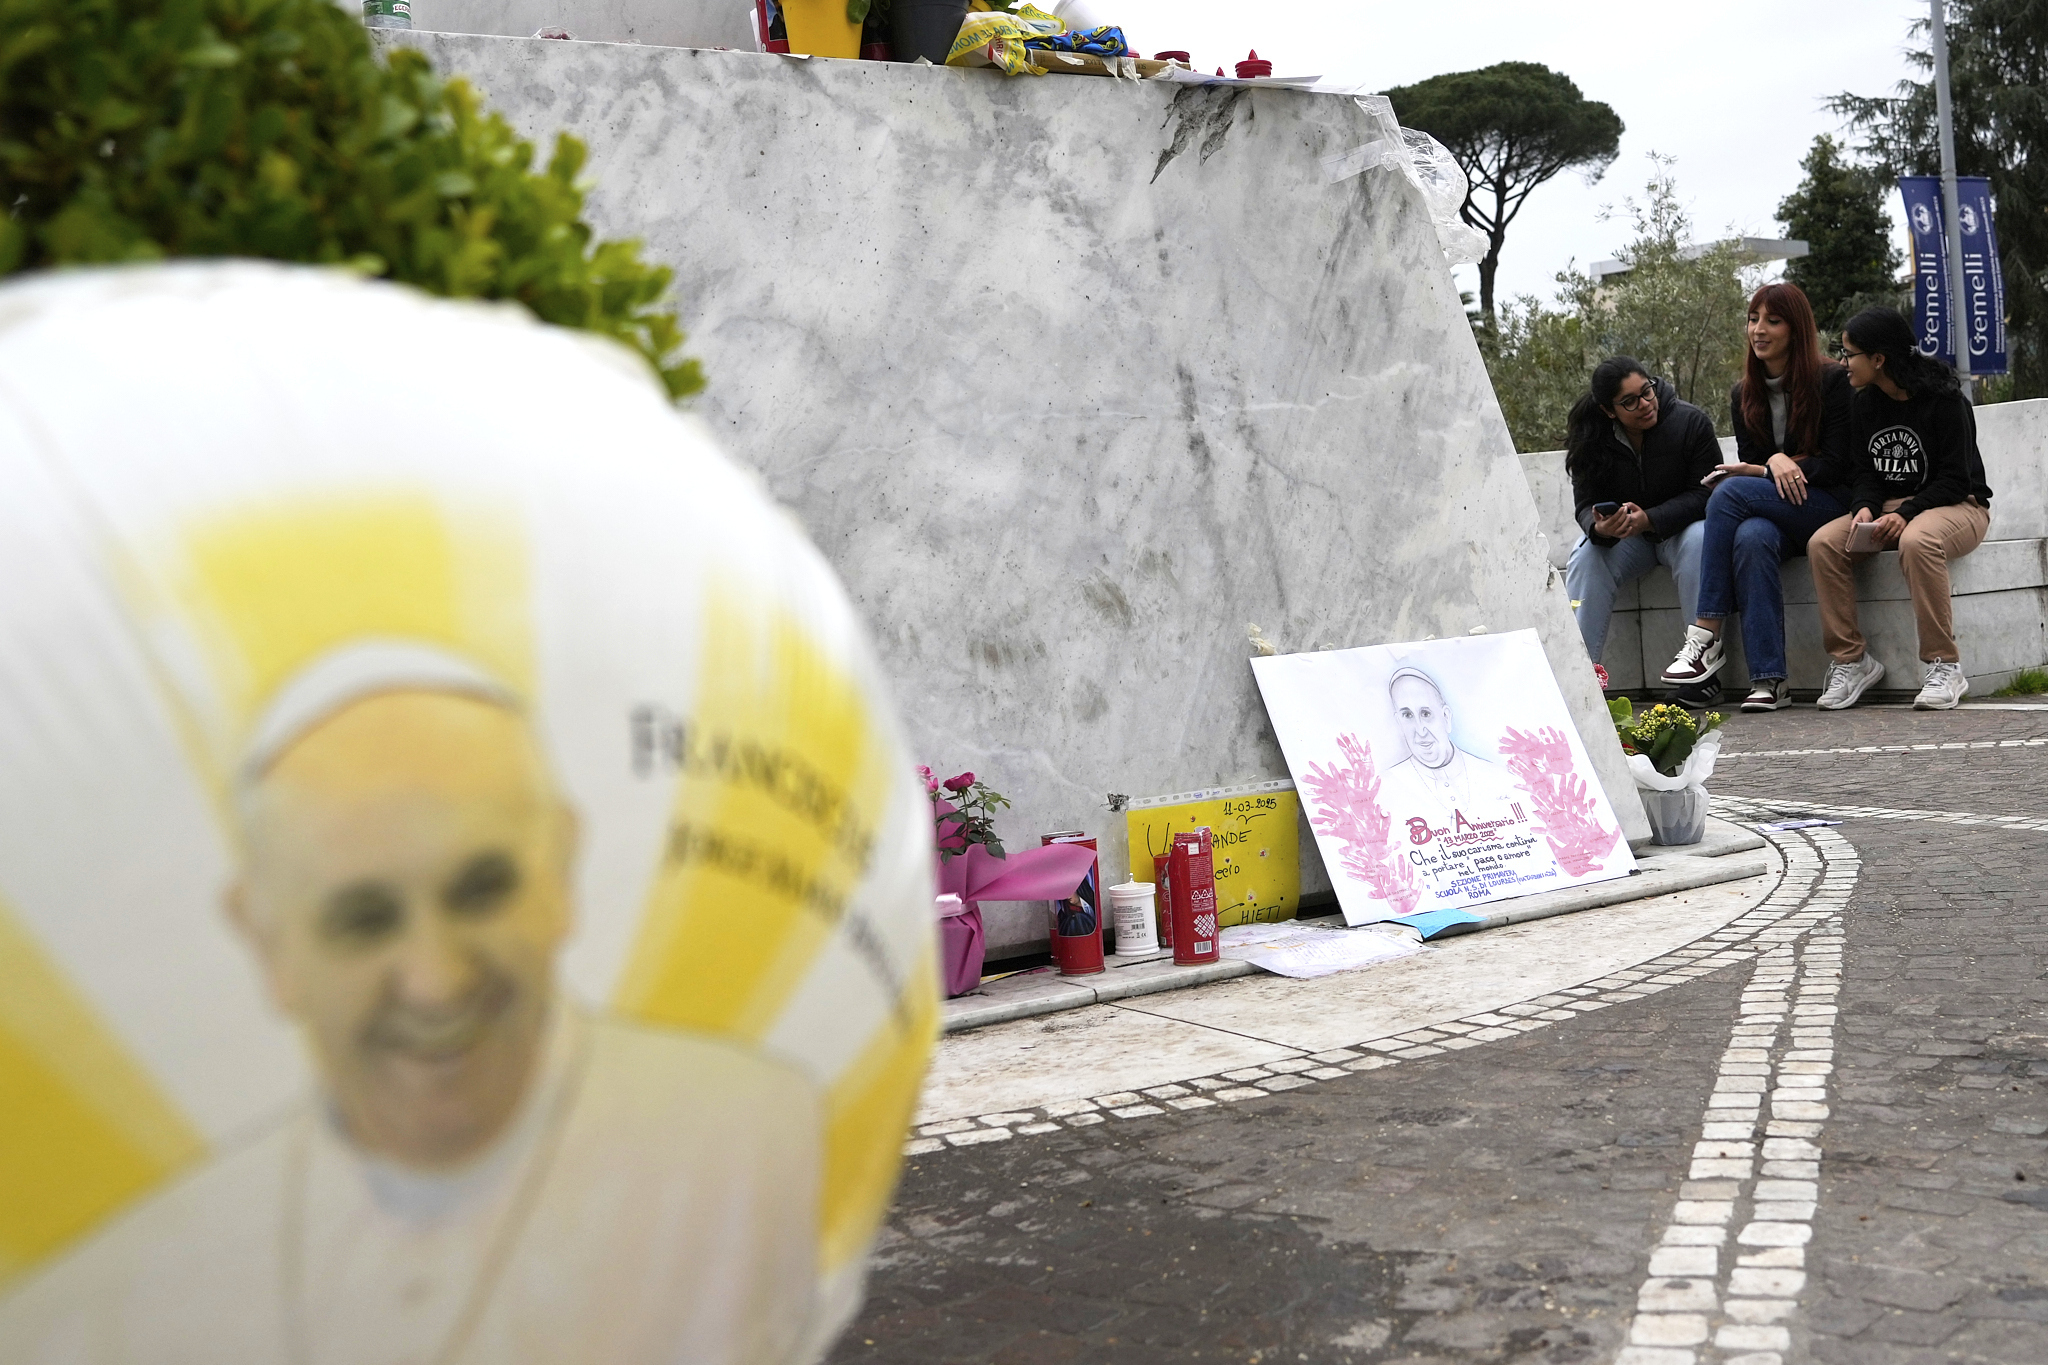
(1983, 285)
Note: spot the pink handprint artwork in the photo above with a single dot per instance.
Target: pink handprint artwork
(1564, 809)
(1346, 808)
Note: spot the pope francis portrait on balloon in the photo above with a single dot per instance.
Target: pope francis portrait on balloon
(483, 1170)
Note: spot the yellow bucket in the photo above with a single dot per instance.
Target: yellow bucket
(820, 28)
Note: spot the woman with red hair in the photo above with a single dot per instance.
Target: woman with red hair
(1791, 476)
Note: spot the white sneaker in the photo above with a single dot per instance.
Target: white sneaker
(1699, 658)
(1848, 682)
(1768, 694)
(1945, 686)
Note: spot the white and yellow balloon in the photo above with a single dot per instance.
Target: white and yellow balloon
(462, 894)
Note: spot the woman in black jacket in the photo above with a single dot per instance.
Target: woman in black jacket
(1790, 477)
(1638, 457)
(1919, 484)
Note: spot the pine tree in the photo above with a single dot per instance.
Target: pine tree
(1512, 126)
(1838, 210)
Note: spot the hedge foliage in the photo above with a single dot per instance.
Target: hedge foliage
(134, 130)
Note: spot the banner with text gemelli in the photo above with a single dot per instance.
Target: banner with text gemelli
(1254, 833)
(1983, 281)
(1441, 776)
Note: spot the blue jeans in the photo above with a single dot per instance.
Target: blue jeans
(1751, 529)
(1595, 574)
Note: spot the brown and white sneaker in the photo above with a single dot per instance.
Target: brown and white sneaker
(1699, 658)
(1767, 694)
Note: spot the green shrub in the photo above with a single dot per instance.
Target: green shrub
(135, 130)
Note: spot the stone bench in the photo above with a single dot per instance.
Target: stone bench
(2001, 614)
(2000, 590)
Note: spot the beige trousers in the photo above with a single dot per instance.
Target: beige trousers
(1932, 539)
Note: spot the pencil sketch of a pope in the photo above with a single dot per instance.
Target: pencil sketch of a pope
(1438, 780)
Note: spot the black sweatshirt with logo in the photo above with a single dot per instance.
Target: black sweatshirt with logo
(1923, 450)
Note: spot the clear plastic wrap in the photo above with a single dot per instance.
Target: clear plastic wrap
(1423, 160)
(1444, 187)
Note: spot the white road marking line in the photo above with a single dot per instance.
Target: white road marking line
(1887, 749)
(1691, 1310)
(2034, 823)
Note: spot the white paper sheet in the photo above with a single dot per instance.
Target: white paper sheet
(1309, 950)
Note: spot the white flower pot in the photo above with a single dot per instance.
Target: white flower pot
(1676, 817)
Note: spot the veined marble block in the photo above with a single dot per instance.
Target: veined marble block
(663, 23)
(1072, 379)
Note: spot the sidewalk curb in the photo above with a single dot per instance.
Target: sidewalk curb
(1717, 859)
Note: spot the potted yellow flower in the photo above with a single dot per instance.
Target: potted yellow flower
(1672, 756)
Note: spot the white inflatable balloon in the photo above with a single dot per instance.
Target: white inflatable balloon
(462, 895)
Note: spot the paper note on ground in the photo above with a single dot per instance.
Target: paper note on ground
(1255, 832)
(1306, 950)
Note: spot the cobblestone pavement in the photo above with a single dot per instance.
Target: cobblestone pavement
(1637, 1184)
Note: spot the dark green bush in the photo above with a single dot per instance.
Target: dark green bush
(134, 130)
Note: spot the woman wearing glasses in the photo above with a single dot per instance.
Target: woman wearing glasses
(1791, 477)
(1637, 456)
(1920, 487)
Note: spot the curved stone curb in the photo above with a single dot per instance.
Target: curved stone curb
(1778, 918)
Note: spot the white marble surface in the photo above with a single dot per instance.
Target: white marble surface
(1160, 1039)
(1460, 977)
(662, 23)
(1071, 379)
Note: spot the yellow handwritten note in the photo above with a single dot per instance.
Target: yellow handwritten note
(1255, 833)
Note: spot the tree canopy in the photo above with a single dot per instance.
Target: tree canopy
(1512, 127)
(1838, 211)
(134, 130)
(1998, 76)
(1676, 308)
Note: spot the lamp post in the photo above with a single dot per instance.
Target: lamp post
(1944, 112)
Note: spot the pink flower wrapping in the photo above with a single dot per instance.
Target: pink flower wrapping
(1563, 807)
(1347, 809)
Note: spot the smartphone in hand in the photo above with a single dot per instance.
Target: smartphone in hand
(1863, 539)
(1714, 476)
(1604, 510)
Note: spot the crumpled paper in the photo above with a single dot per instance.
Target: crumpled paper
(997, 39)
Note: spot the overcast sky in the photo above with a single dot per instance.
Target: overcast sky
(1733, 89)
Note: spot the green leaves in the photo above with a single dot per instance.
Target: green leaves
(1511, 126)
(1666, 734)
(1838, 210)
(143, 129)
(1678, 308)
